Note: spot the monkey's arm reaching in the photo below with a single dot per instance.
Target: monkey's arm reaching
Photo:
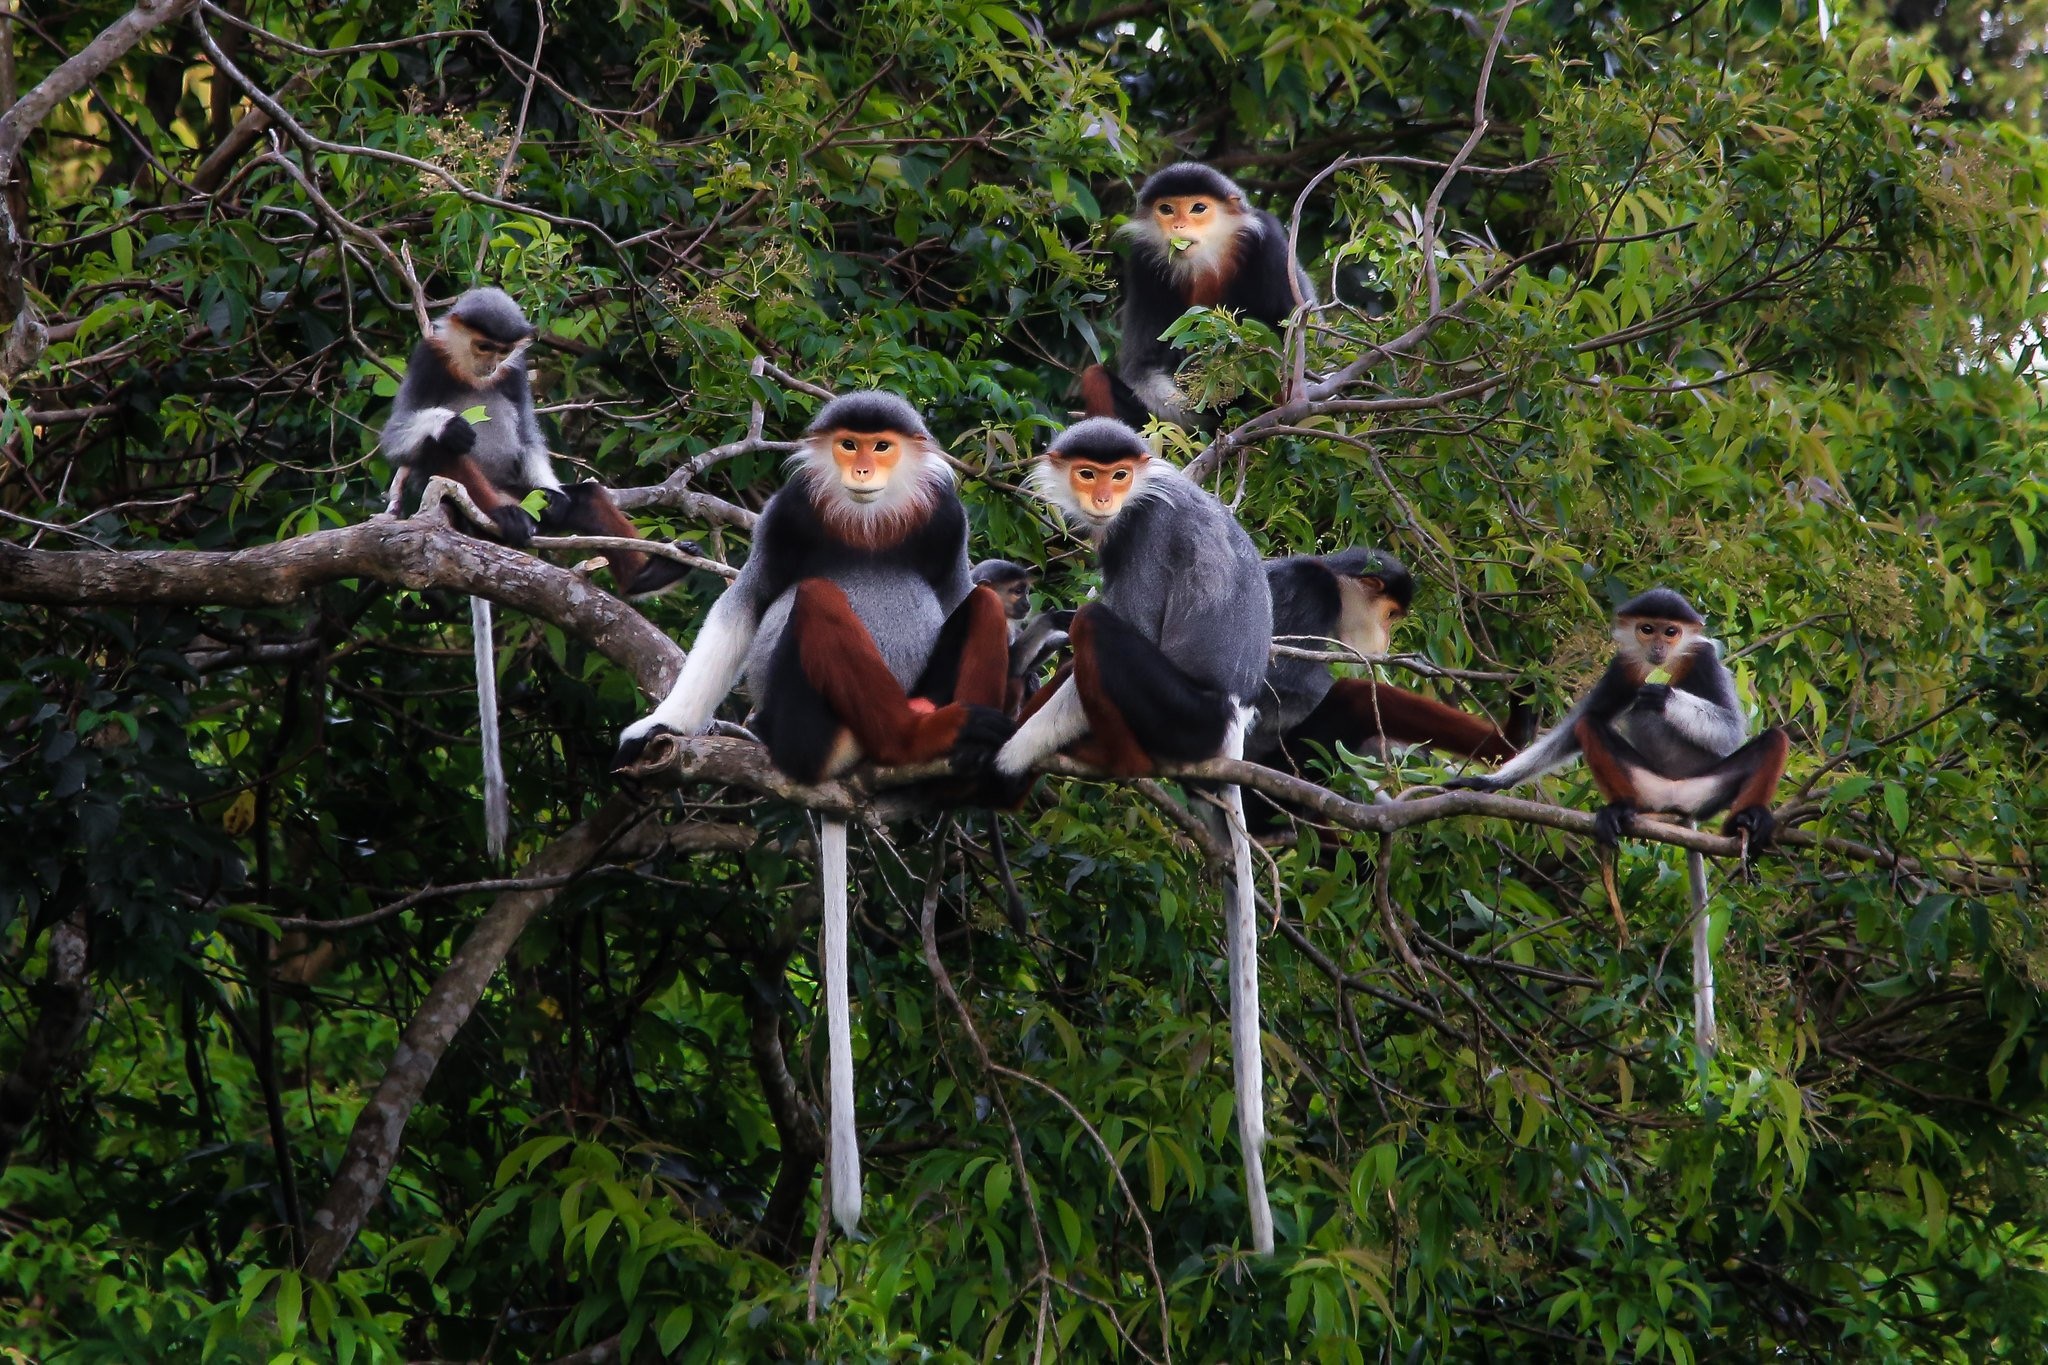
(1560, 746)
(710, 671)
(1146, 362)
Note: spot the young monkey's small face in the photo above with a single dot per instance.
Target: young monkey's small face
(1657, 643)
(866, 460)
(1016, 597)
(1100, 489)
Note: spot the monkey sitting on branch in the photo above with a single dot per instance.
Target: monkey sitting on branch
(1196, 242)
(861, 636)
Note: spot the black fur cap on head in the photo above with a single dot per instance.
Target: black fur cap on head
(1660, 604)
(1362, 562)
(1103, 440)
(1185, 178)
(492, 313)
(868, 411)
(999, 571)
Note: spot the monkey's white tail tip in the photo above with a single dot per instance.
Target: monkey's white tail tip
(1247, 1049)
(1705, 1032)
(497, 805)
(843, 1145)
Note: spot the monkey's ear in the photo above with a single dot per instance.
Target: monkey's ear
(1377, 584)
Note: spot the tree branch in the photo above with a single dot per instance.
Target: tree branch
(380, 1127)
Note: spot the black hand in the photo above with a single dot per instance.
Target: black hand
(1475, 784)
(456, 437)
(515, 527)
(1650, 697)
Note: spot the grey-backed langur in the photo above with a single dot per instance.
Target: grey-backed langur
(1167, 663)
(1663, 731)
(1195, 242)
(860, 636)
(475, 358)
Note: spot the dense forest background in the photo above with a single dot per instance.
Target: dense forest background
(1740, 296)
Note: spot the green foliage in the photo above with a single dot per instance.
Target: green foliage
(1730, 307)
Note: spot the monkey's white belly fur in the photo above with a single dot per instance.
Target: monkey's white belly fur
(1685, 795)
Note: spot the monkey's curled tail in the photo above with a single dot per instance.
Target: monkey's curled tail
(1704, 1032)
(843, 1150)
(497, 806)
(1247, 1054)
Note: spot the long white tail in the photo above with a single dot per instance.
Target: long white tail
(843, 1146)
(497, 806)
(1704, 1032)
(1247, 1053)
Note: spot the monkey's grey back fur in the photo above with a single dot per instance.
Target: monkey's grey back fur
(1179, 567)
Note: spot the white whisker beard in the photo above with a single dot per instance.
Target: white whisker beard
(901, 505)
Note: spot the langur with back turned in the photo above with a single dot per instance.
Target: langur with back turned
(475, 358)
(1167, 662)
(1195, 242)
(860, 636)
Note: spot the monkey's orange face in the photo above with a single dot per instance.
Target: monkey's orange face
(472, 355)
(1189, 221)
(1100, 489)
(1656, 643)
(867, 460)
(1367, 615)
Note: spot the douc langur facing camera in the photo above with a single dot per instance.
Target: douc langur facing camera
(860, 636)
(1166, 668)
(1196, 242)
(475, 357)
(1354, 597)
(1662, 730)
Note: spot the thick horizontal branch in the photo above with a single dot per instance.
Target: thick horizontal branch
(680, 761)
(423, 552)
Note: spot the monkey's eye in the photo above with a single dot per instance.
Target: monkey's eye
(1199, 207)
(1647, 629)
(1085, 475)
(881, 446)
(1164, 209)
(1121, 476)
(1671, 632)
(846, 443)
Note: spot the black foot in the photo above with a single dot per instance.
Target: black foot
(656, 576)
(983, 733)
(514, 526)
(1755, 821)
(1472, 784)
(1611, 822)
(632, 745)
